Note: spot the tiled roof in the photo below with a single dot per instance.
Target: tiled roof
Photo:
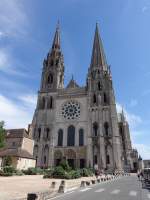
(17, 133)
(16, 152)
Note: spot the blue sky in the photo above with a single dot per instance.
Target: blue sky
(26, 32)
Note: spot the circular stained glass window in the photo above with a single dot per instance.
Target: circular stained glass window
(71, 110)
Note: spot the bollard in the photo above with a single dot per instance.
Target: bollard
(32, 196)
(87, 183)
(83, 184)
(98, 180)
(61, 189)
(93, 181)
(53, 184)
(62, 182)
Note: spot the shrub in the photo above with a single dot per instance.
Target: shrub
(9, 169)
(74, 174)
(85, 172)
(7, 161)
(64, 164)
(19, 173)
(33, 171)
(58, 172)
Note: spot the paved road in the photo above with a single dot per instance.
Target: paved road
(126, 188)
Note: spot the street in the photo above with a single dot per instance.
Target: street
(125, 188)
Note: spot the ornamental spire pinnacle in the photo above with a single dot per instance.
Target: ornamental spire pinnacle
(98, 56)
(56, 41)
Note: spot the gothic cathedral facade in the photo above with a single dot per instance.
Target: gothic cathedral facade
(79, 124)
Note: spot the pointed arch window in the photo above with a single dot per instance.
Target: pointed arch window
(52, 62)
(71, 136)
(47, 133)
(106, 128)
(81, 137)
(105, 98)
(95, 129)
(94, 98)
(60, 137)
(43, 103)
(39, 133)
(107, 159)
(50, 103)
(99, 86)
(50, 79)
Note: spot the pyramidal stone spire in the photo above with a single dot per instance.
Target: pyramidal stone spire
(56, 41)
(98, 56)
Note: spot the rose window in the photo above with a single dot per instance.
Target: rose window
(71, 110)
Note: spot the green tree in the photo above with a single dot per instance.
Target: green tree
(2, 134)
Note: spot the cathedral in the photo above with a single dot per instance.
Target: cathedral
(79, 124)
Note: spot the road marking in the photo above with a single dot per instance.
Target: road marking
(83, 190)
(71, 189)
(59, 196)
(148, 195)
(100, 190)
(133, 193)
(115, 191)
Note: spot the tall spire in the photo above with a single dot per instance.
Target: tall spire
(98, 56)
(56, 41)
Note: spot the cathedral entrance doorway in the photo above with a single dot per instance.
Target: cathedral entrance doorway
(71, 163)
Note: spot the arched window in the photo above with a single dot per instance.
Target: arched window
(106, 128)
(95, 129)
(35, 152)
(43, 103)
(47, 133)
(50, 103)
(52, 62)
(107, 159)
(39, 133)
(60, 137)
(71, 136)
(105, 98)
(94, 98)
(81, 137)
(99, 86)
(50, 79)
(46, 155)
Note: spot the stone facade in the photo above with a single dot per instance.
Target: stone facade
(19, 146)
(76, 123)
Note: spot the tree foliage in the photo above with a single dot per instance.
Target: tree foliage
(2, 134)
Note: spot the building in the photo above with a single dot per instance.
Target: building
(19, 147)
(79, 124)
(146, 163)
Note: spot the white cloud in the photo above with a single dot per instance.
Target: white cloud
(144, 150)
(15, 114)
(29, 99)
(13, 19)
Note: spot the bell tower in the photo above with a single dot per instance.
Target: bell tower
(53, 67)
(104, 139)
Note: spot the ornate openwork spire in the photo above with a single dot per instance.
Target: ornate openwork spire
(98, 56)
(56, 41)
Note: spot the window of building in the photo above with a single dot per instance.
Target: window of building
(47, 133)
(107, 159)
(50, 103)
(99, 86)
(105, 98)
(106, 129)
(39, 133)
(71, 136)
(81, 137)
(52, 62)
(44, 159)
(43, 103)
(94, 98)
(50, 79)
(95, 159)
(95, 129)
(60, 137)
(82, 163)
